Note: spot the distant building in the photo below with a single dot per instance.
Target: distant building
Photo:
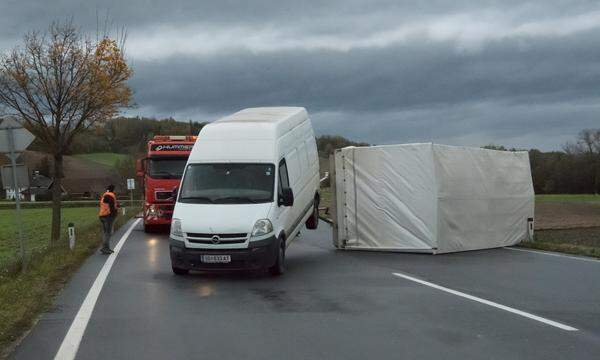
(40, 186)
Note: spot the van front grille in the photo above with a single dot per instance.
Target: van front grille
(221, 236)
(225, 241)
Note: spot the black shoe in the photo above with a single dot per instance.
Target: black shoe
(106, 251)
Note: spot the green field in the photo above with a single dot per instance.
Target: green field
(36, 225)
(109, 159)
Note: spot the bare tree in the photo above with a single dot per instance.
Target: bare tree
(588, 145)
(61, 83)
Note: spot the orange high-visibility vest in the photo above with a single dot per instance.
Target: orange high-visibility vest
(104, 207)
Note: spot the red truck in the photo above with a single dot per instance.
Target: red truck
(160, 172)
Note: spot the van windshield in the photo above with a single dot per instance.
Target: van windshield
(228, 183)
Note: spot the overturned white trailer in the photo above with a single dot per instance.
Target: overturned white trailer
(430, 198)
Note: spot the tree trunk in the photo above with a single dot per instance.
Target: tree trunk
(594, 165)
(56, 198)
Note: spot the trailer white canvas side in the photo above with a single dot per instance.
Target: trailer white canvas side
(431, 198)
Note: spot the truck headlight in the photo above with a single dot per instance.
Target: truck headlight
(152, 210)
(176, 228)
(262, 227)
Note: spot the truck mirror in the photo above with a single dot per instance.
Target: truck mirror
(139, 167)
(287, 197)
(174, 193)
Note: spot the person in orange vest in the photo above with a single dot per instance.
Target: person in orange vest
(108, 214)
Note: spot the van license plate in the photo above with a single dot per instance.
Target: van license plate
(216, 259)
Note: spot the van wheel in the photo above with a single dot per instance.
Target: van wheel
(179, 271)
(313, 221)
(278, 267)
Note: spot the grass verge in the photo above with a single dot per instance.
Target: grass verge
(578, 241)
(24, 296)
(586, 198)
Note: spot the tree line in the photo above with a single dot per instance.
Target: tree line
(125, 135)
(573, 170)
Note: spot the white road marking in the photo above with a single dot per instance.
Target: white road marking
(70, 344)
(490, 303)
(549, 253)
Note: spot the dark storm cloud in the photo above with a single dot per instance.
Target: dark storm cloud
(376, 80)
(520, 73)
(18, 16)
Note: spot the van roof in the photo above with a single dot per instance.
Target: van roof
(265, 115)
(249, 134)
(261, 122)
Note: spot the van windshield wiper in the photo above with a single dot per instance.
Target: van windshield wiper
(236, 198)
(202, 198)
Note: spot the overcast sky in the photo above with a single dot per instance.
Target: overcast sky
(517, 73)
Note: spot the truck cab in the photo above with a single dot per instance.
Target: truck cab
(160, 173)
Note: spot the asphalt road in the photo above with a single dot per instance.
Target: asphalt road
(330, 305)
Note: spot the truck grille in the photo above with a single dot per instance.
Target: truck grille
(163, 195)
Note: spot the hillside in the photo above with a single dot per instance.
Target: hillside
(80, 174)
(107, 159)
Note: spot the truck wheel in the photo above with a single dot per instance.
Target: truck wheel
(179, 271)
(313, 221)
(278, 267)
(149, 229)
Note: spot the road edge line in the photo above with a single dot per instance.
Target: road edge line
(70, 344)
(489, 303)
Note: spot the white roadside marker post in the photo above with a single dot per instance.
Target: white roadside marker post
(71, 233)
(130, 187)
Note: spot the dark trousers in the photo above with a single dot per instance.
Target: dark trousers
(107, 229)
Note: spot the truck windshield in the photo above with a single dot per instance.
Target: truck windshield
(230, 183)
(166, 168)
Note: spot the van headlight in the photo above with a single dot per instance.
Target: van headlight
(262, 227)
(176, 228)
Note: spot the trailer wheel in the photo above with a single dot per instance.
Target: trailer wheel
(313, 221)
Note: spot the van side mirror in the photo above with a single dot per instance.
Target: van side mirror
(287, 197)
(140, 165)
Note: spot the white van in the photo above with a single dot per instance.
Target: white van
(250, 184)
